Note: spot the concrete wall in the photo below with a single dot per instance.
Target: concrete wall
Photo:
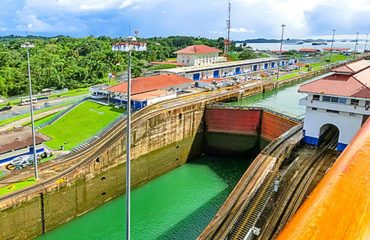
(160, 143)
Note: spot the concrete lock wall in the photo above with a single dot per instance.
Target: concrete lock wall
(160, 144)
(234, 131)
(162, 140)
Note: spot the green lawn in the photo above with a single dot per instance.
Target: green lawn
(80, 124)
(45, 119)
(16, 186)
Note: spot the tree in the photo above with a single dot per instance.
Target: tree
(247, 54)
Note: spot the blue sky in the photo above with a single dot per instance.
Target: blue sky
(250, 18)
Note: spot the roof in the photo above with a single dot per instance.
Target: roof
(309, 50)
(340, 85)
(277, 51)
(198, 49)
(353, 67)
(147, 84)
(150, 95)
(19, 138)
(338, 208)
(218, 65)
(336, 49)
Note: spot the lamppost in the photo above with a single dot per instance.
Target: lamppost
(356, 44)
(28, 45)
(367, 35)
(331, 47)
(128, 45)
(281, 48)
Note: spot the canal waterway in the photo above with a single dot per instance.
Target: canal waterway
(284, 100)
(177, 205)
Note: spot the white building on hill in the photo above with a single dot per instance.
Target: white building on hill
(340, 101)
(197, 55)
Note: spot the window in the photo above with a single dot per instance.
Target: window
(314, 109)
(354, 102)
(333, 99)
(316, 97)
(342, 100)
(332, 111)
(326, 99)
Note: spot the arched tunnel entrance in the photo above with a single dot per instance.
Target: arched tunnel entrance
(329, 133)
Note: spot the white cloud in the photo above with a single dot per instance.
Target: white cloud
(76, 6)
(241, 30)
(249, 18)
(32, 24)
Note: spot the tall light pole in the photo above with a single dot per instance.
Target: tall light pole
(367, 35)
(356, 44)
(281, 48)
(128, 45)
(331, 47)
(28, 45)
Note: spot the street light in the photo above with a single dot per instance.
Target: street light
(281, 48)
(128, 45)
(356, 44)
(367, 35)
(331, 48)
(28, 45)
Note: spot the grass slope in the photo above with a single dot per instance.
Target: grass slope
(16, 186)
(80, 124)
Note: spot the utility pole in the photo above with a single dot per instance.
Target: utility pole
(281, 48)
(128, 45)
(331, 48)
(28, 45)
(228, 27)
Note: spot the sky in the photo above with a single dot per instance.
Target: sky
(206, 18)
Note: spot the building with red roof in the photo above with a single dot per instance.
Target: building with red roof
(340, 100)
(337, 50)
(17, 145)
(309, 51)
(147, 90)
(197, 55)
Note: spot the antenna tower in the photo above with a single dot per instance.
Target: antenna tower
(228, 27)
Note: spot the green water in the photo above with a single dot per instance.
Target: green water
(177, 205)
(284, 100)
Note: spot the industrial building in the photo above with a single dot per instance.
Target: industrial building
(341, 100)
(18, 143)
(226, 69)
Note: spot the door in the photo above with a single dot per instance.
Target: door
(254, 67)
(196, 76)
(237, 70)
(216, 74)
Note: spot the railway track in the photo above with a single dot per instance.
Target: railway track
(247, 222)
(297, 188)
(254, 208)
